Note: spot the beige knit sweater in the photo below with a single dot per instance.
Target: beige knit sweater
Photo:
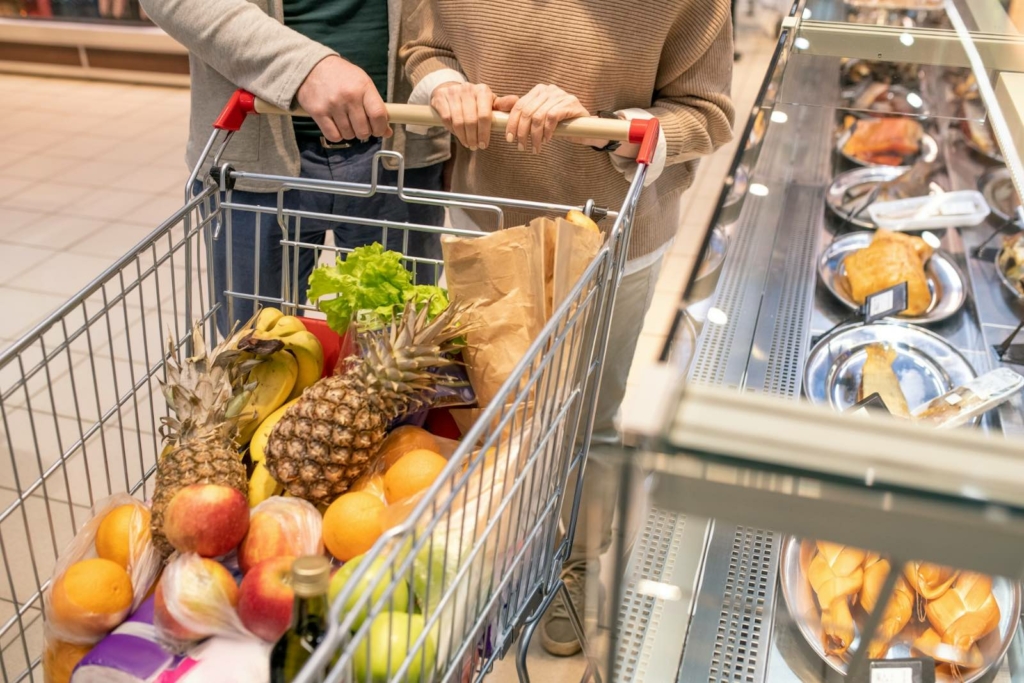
(670, 57)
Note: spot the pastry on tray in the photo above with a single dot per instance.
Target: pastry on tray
(891, 258)
(888, 141)
(878, 377)
(1011, 261)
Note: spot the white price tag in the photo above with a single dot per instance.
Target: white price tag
(953, 399)
(902, 675)
(881, 303)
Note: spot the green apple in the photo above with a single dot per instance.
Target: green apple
(389, 641)
(399, 601)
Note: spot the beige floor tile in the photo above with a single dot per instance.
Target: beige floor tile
(10, 186)
(61, 273)
(38, 167)
(109, 240)
(15, 259)
(13, 220)
(45, 197)
(95, 174)
(155, 209)
(24, 309)
(159, 179)
(57, 231)
(26, 636)
(111, 204)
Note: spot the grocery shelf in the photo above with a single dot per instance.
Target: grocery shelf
(102, 50)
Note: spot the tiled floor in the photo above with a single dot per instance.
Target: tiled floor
(86, 171)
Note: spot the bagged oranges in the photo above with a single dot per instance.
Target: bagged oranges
(90, 599)
(412, 473)
(403, 439)
(60, 660)
(122, 534)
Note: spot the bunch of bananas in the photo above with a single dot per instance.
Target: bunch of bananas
(280, 381)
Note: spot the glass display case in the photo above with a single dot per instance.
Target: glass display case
(841, 393)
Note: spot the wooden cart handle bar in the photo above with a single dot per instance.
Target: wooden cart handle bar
(638, 131)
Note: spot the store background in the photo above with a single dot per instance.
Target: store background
(89, 168)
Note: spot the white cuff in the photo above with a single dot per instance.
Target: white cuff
(628, 166)
(424, 92)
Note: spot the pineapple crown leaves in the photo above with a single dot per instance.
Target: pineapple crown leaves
(209, 390)
(396, 365)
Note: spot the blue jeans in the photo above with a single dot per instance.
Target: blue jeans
(256, 252)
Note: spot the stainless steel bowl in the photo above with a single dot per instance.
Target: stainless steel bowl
(997, 187)
(803, 607)
(926, 365)
(946, 282)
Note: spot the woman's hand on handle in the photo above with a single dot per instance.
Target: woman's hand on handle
(534, 117)
(466, 110)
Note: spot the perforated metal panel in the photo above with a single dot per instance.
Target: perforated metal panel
(654, 558)
(738, 653)
(782, 334)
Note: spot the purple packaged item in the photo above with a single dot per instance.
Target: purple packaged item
(131, 653)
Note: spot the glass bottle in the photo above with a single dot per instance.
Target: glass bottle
(311, 577)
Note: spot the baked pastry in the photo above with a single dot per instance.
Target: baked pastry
(890, 259)
(1011, 261)
(877, 377)
(886, 142)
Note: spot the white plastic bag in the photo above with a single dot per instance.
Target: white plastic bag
(196, 598)
(280, 527)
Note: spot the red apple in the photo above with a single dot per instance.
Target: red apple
(206, 519)
(265, 598)
(281, 527)
(203, 588)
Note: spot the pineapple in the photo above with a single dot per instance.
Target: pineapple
(332, 435)
(207, 393)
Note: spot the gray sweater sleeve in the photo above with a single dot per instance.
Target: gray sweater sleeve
(245, 45)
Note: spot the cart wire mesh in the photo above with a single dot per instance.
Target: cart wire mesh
(81, 406)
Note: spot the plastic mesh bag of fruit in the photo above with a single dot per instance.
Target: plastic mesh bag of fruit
(196, 598)
(278, 527)
(103, 574)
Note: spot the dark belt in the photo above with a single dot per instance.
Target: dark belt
(346, 144)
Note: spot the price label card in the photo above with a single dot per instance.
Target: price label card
(901, 671)
(901, 675)
(888, 302)
(865, 407)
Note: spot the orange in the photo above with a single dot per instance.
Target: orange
(91, 598)
(373, 484)
(404, 439)
(60, 659)
(414, 472)
(352, 524)
(125, 529)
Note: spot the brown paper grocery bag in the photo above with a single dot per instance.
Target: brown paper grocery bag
(502, 275)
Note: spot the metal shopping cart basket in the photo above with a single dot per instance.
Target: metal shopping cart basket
(80, 407)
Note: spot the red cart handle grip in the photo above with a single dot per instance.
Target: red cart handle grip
(642, 131)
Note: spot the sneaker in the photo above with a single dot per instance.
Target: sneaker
(556, 632)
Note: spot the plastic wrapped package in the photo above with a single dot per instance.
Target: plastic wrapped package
(132, 653)
(196, 598)
(105, 572)
(278, 527)
(469, 528)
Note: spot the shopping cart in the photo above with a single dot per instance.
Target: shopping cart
(80, 407)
